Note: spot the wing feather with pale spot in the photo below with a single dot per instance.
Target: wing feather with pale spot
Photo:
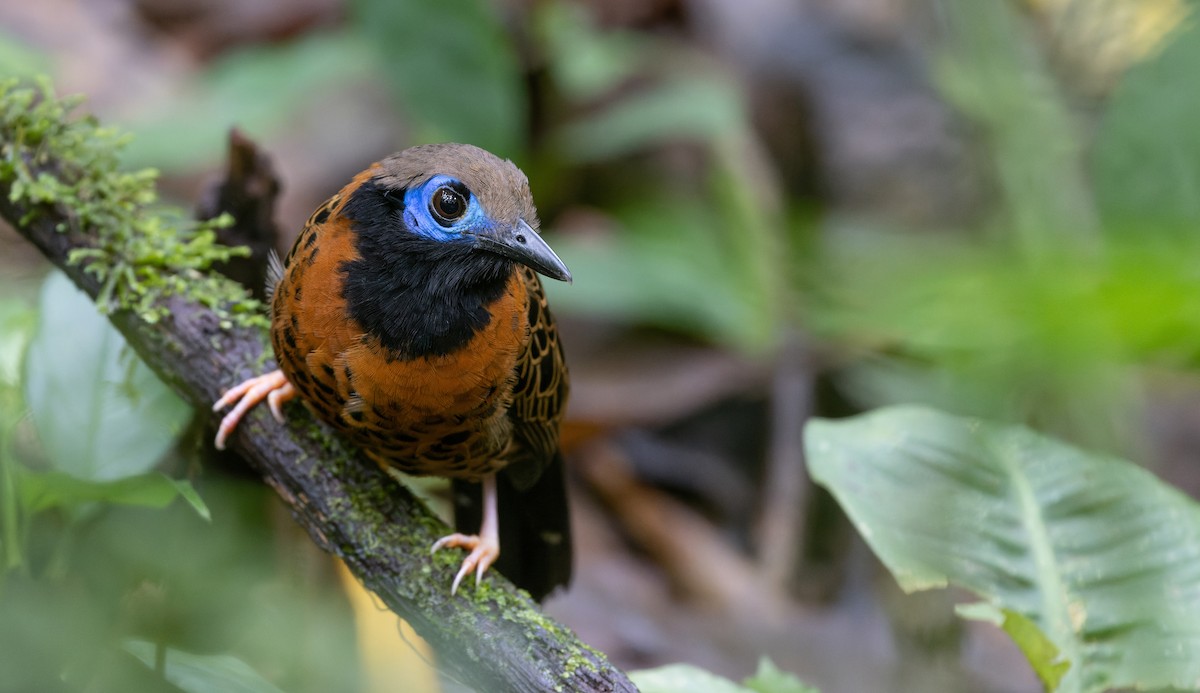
(540, 393)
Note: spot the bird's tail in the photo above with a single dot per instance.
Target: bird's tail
(535, 527)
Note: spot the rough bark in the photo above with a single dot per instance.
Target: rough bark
(492, 638)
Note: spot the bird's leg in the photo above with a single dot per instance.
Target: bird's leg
(273, 387)
(485, 546)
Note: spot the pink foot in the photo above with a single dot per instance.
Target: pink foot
(483, 554)
(484, 547)
(273, 387)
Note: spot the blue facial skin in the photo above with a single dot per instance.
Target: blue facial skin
(420, 220)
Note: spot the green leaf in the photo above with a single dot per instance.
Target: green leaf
(43, 490)
(990, 70)
(640, 275)
(1038, 649)
(100, 413)
(682, 678)
(585, 61)
(195, 673)
(453, 68)
(1098, 554)
(701, 109)
(769, 679)
(685, 678)
(17, 322)
(966, 325)
(189, 494)
(1146, 162)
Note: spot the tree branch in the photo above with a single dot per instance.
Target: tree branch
(492, 638)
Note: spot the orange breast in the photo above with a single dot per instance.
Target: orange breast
(443, 415)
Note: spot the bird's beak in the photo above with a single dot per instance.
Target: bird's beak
(522, 244)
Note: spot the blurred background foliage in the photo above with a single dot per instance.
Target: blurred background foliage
(773, 208)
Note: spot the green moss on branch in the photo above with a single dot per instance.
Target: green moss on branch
(140, 250)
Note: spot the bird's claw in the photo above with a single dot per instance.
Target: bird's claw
(273, 387)
(483, 554)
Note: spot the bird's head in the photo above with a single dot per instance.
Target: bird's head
(462, 195)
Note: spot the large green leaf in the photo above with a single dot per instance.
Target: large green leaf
(195, 673)
(1096, 552)
(100, 412)
(453, 67)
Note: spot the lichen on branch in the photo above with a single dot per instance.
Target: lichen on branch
(139, 249)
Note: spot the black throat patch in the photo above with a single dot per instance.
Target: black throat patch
(419, 296)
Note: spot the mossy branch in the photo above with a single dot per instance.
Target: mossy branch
(60, 187)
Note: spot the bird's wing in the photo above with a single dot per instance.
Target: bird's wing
(535, 525)
(540, 393)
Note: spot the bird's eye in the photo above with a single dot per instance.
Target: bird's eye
(447, 205)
